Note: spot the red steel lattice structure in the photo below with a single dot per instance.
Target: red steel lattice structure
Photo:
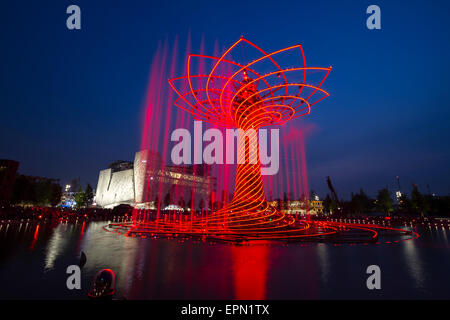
(239, 95)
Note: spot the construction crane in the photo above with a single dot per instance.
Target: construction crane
(334, 195)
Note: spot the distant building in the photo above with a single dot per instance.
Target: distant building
(68, 194)
(67, 197)
(145, 182)
(315, 207)
(8, 170)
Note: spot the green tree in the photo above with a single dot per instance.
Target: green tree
(384, 201)
(23, 191)
(89, 195)
(360, 203)
(56, 193)
(419, 205)
(80, 198)
(43, 192)
(330, 205)
(404, 205)
(440, 205)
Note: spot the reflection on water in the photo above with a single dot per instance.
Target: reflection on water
(249, 271)
(414, 264)
(55, 245)
(34, 258)
(322, 252)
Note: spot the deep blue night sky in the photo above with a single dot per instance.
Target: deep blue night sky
(72, 101)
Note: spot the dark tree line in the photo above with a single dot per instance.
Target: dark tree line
(37, 191)
(84, 198)
(415, 204)
(41, 191)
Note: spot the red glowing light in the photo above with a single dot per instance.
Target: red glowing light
(250, 95)
(34, 237)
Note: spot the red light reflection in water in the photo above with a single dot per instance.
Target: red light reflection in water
(80, 238)
(34, 238)
(250, 265)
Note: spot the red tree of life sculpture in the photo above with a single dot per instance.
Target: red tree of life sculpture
(239, 95)
(249, 95)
